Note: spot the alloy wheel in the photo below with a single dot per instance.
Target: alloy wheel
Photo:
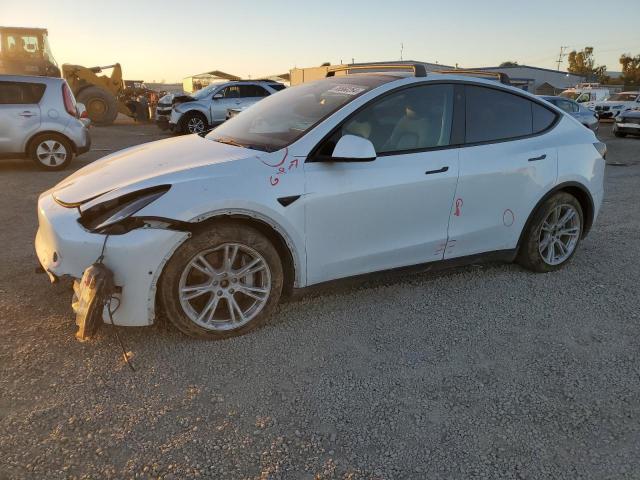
(559, 234)
(195, 125)
(51, 153)
(225, 287)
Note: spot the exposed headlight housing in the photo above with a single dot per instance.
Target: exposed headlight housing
(115, 216)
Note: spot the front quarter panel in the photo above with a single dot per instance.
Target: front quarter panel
(250, 187)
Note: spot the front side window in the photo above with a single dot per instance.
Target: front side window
(279, 120)
(19, 93)
(494, 115)
(414, 118)
(231, 92)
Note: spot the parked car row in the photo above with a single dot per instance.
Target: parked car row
(210, 106)
(41, 120)
(598, 99)
(344, 176)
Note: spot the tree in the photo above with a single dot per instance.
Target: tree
(508, 63)
(630, 69)
(582, 63)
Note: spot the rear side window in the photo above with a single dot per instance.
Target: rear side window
(277, 86)
(19, 93)
(493, 115)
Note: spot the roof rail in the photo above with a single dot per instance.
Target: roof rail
(419, 69)
(501, 77)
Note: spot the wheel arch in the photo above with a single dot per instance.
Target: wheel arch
(28, 143)
(580, 192)
(291, 264)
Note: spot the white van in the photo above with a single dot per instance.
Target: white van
(587, 94)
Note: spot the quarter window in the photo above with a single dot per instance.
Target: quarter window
(412, 119)
(19, 93)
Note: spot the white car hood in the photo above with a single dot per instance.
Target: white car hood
(135, 165)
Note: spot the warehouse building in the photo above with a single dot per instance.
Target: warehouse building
(541, 81)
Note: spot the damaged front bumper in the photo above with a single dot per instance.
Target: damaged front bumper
(65, 248)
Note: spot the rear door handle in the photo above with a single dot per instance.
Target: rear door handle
(27, 114)
(441, 170)
(541, 157)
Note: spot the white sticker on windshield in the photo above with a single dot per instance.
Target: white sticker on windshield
(347, 89)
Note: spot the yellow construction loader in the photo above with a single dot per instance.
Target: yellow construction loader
(26, 51)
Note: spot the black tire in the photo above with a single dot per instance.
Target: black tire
(529, 255)
(620, 134)
(102, 106)
(191, 120)
(216, 235)
(54, 143)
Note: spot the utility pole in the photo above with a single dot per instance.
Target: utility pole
(561, 56)
(401, 49)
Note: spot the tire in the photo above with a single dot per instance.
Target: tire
(620, 134)
(197, 303)
(194, 122)
(102, 106)
(50, 151)
(532, 254)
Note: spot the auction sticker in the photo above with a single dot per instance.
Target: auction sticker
(347, 89)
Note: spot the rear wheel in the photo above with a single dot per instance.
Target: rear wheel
(194, 122)
(223, 282)
(553, 235)
(101, 105)
(51, 151)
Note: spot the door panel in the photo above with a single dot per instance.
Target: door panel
(370, 216)
(499, 185)
(19, 123)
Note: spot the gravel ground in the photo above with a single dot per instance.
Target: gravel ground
(479, 372)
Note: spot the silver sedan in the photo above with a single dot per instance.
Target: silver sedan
(585, 116)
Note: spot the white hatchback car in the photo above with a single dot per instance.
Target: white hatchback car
(340, 177)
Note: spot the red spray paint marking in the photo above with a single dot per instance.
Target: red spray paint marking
(274, 181)
(286, 152)
(459, 204)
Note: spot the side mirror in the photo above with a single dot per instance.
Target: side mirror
(351, 148)
(218, 96)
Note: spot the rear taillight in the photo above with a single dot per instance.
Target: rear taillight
(69, 102)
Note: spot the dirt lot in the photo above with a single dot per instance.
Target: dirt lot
(480, 372)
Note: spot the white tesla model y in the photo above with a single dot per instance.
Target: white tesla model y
(352, 174)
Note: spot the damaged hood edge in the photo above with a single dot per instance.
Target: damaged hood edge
(156, 163)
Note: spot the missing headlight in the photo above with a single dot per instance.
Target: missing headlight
(115, 214)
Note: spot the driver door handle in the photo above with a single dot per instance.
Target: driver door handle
(26, 113)
(441, 170)
(541, 157)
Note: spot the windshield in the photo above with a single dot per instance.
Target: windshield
(204, 92)
(283, 117)
(623, 97)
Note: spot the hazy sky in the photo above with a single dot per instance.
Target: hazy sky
(172, 39)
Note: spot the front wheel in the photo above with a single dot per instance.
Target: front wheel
(194, 122)
(553, 235)
(223, 282)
